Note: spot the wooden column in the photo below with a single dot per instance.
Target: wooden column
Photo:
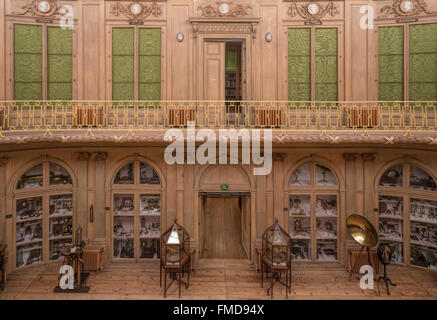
(99, 198)
(278, 169)
(2, 52)
(171, 196)
(368, 161)
(359, 185)
(82, 192)
(180, 193)
(269, 198)
(3, 162)
(350, 200)
(253, 223)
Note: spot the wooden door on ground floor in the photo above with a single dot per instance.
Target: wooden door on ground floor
(223, 228)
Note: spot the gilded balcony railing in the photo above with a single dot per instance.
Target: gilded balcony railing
(158, 115)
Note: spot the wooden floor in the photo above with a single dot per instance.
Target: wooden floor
(218, 279)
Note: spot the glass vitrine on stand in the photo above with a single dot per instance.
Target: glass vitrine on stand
(175, 256)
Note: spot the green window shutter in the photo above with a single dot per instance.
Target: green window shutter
(149, 46)
(326, 51)
(27, 62)
(423, 62)
(59, 64)
(123, 56)
(391, 63)
(299, 64)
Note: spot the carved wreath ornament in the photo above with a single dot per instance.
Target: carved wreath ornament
(313, 12)
(224, 9)
(136, 11)
(44, 8)
(404, 8)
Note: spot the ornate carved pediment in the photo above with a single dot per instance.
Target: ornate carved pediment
(203, 25)
(313, 12)
(404, 8)
(136, 12)
(224, 9)
(43, 8)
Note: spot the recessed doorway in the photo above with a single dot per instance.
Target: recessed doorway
(226, 227)
(224, 69)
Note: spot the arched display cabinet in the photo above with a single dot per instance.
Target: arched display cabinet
(43, 206)
(136, 212)
(313, 195)
(407, 202)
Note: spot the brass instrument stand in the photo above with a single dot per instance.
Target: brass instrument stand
(386, 279)
(74, 259)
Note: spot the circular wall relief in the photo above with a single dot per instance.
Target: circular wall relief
(407, 6)
(44, 6)
(269, 37)
(224, 8)
(313, 8)
(135, 8)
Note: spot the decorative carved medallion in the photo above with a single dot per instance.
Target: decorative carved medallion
(404, 8)
(224, 9)
(136, 12)
(44, 8)
(312, 11)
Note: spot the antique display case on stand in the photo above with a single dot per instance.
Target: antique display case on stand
(276, 257)
(175, 256)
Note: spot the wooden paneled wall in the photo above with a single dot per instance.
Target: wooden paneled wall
(94, 18)
(94, 168)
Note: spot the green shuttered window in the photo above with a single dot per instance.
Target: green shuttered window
(149, 78)
(326, 64)
(423, 62)
(299, 64)
(391, 63)
(325, 77)
(124, 56)
(28, 63)
(421, 51)
(59, 64)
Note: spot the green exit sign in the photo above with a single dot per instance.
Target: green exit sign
(225, 187)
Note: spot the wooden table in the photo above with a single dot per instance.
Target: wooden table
(93, 258)
(358, 258)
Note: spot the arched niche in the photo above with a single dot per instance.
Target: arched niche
(136, 202)
(42, 194)
(406, 198)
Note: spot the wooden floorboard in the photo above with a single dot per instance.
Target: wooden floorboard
(218, 279)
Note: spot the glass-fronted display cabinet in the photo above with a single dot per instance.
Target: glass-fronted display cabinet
(136, 212)
(408, 215)
(43, 214)
(313, 213)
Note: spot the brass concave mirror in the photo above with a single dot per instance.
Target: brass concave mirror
(362, 231)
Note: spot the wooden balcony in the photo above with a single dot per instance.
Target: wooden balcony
(304, 117)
